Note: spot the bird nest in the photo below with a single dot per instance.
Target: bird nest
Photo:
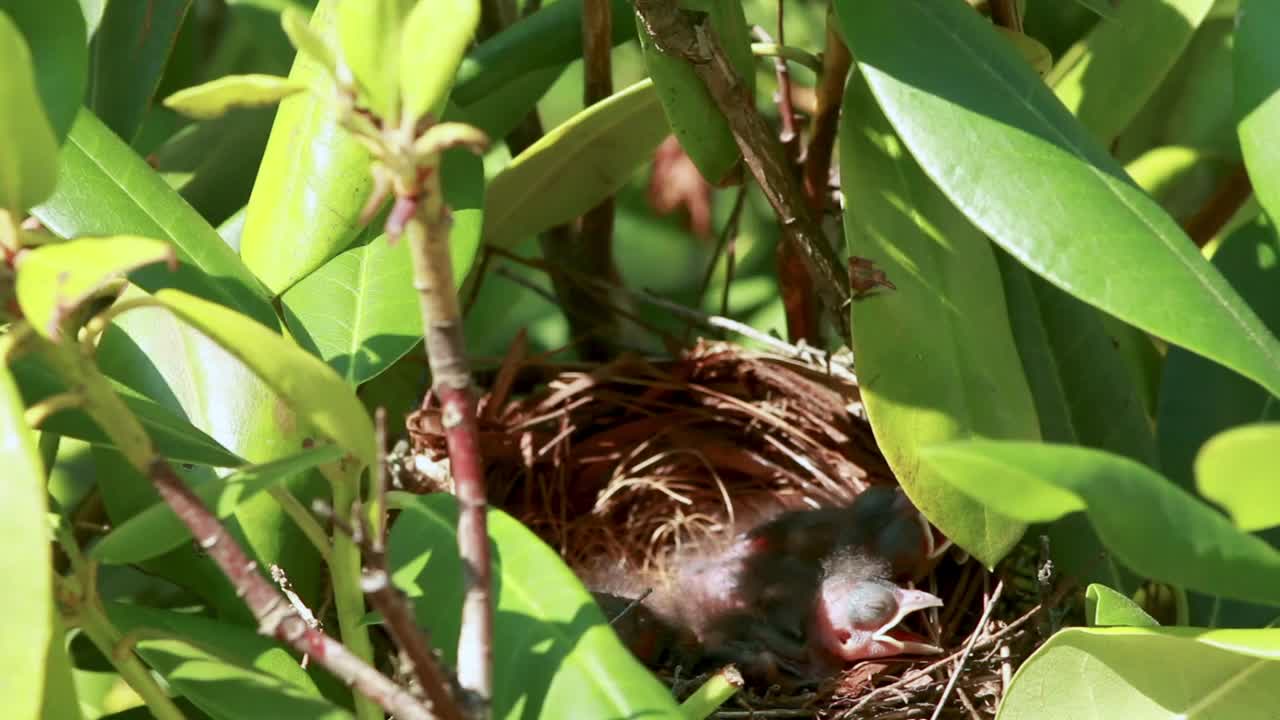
(622, 465)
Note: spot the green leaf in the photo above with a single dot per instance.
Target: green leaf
(549, 38)
(311, 388)
(936, 356)
(1105, 607)
(27, 167)
(1136, 673)
(130, 51)
(1082, 395)
(548, 633)
(297, 26)
(360, 311)
(1108, 76)
(1199, 399)
(60, 696)
(228, 671)
(1237, 470)
(212, 164)
(158, 355)
(369, 33)
(575, 166)
(174, 438)
(54, 279)
(217, 97)
(313, 181)
(436, 36)
(1256, 66)
(26, 606)
(1005, 151)
(55, 34)
(1174, 538)
(106, 189)
(157, 530)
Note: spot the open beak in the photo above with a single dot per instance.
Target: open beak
(909, 601)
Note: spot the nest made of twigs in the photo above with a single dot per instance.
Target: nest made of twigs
(622, 464)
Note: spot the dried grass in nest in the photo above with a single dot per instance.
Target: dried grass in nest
(624, 463)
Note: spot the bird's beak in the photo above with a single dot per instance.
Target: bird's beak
(909, 601)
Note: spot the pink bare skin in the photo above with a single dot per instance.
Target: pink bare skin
(803, 594)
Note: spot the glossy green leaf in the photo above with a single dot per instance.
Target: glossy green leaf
(1006, 152)
(1089, 375)
(1110, 74)
(60, 696)
(217, 97)
(28, 167)
(549, 38)
(1105, 607)
(436, 36)
(212, 164)
(1078, 381)
(26, 606)
(360, 311)
(313, 181)
(1199, 399)
(1148, 674)
(497, 114)
(160, 356)
(1175, 538)
(312, 389)
(157, 530)
(130, 51)
(1256, 65)
(575, 166)
(173, 436)
(54, 279)
(936, 356)
(297, 25)
(370, 37)
(1238, 470)
(226, 670)
(55, 35)
(548, 633)
(104, 188)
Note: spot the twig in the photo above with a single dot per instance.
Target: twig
(427, 235)
(1221, 205)
(623, 612)
(836, 62)
(275, 616)
(286, 587)
(727, 233)
(761, 150)
(789, 135)
(968, 648)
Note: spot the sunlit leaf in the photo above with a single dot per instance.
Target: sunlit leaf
(1175, 538)
(1105, 607)
(1256, 66)
(1006, 152)
(217, 97)
(548, 633)
(1140, 673)
(28, 165)
(436, 36)
(54, 279)
(936, 355)
(575, 166)
(1238, 470)
(26, 606)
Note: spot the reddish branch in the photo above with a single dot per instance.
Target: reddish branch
(826, 118)
(275, 615)
(1226, 199)
(761, 149)
(428, 237)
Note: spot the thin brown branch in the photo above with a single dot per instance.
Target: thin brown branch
(428, 238)
(1226, 199)
(1005, 14)
(275, 615)
(822, 133)
(724, 243)
(968, 648)
(761, 149)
